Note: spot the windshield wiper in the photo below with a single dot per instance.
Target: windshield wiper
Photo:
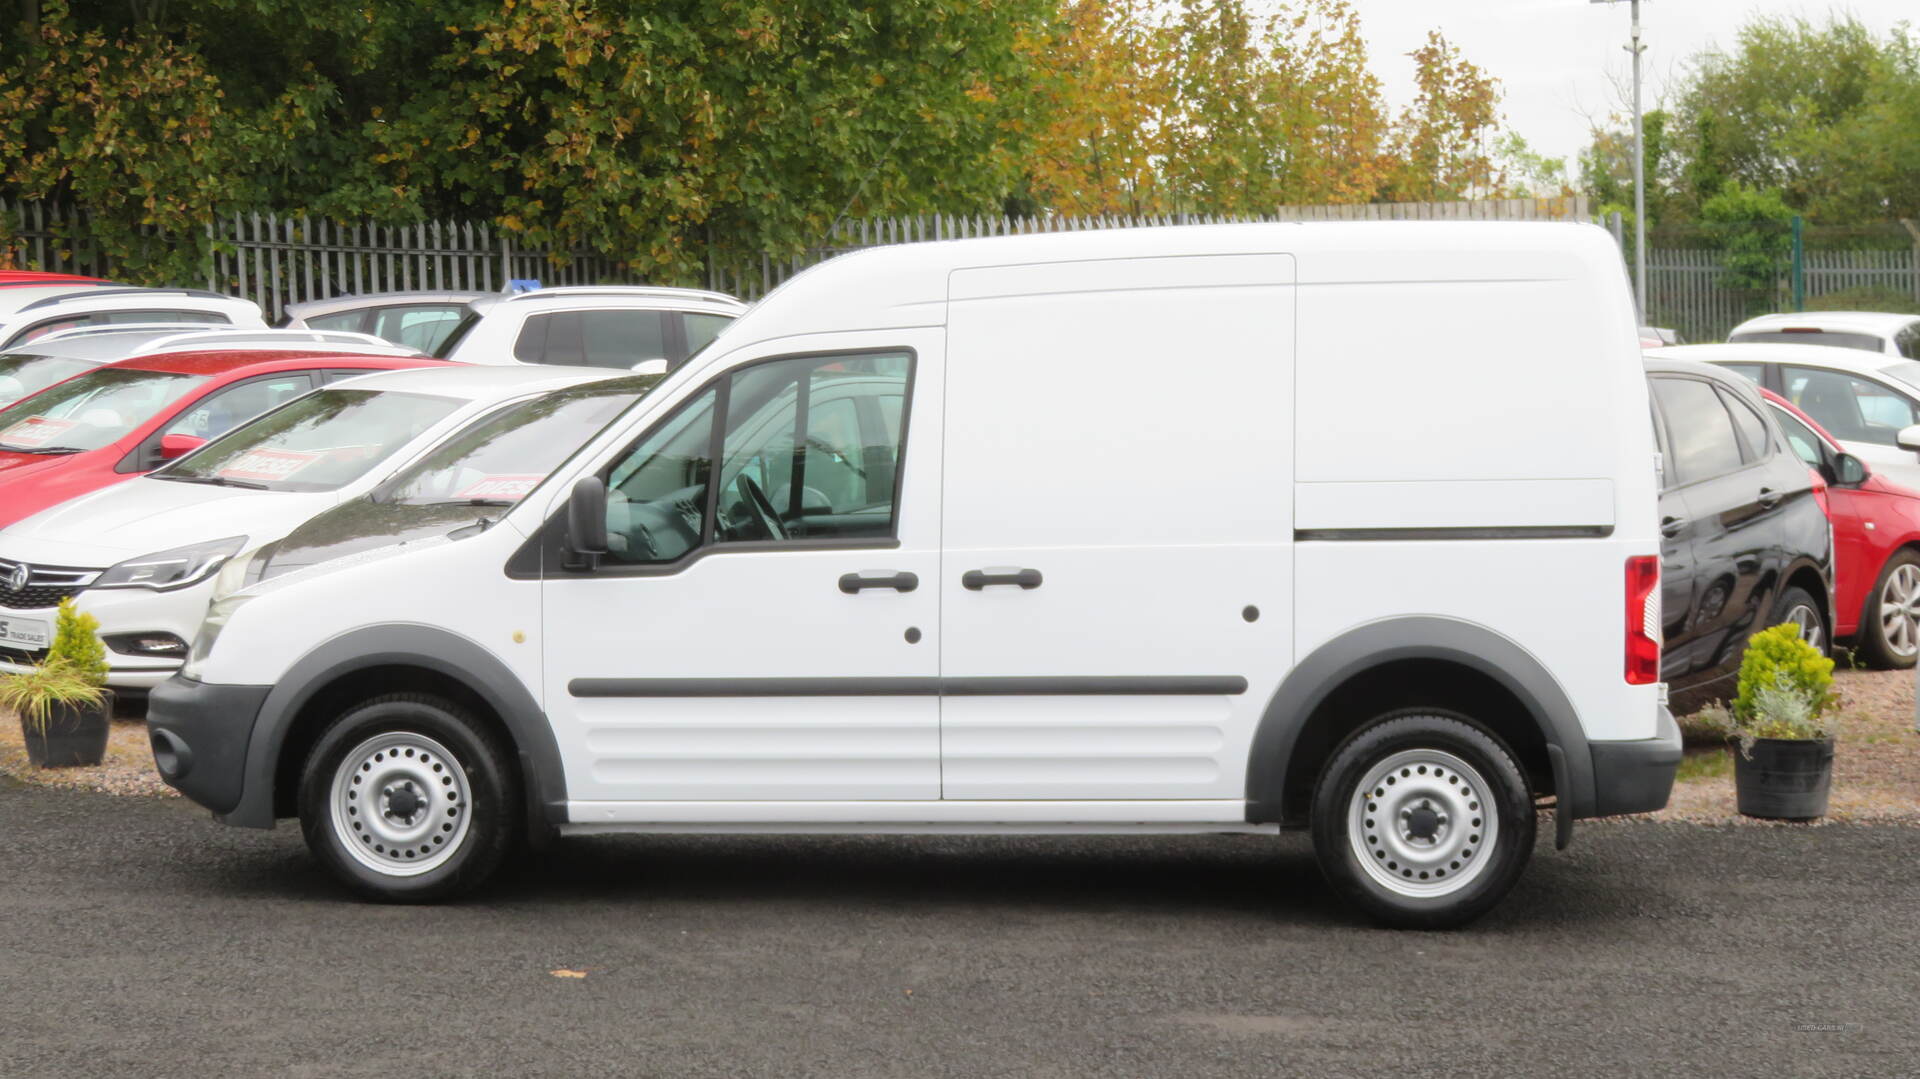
(465, 502)
(216, 481)
(48, 451)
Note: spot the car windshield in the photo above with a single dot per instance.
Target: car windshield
(1831, 338)
(91, 410)
(319, 442)
(501, 457)
(23, 374)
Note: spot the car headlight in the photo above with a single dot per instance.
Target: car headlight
(177, 568)
(218, 613)
(241, 571)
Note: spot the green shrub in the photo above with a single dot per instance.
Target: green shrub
(1866, 298)
(34, 694)
(76, 644)
(1777, 658)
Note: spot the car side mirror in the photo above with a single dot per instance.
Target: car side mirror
(587, 517)
(650, 367)
(172, 446)
(1850, 471)
(1908, 438)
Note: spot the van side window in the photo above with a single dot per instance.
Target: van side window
(810, 448)
(1704, 444)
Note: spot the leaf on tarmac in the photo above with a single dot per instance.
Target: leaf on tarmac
(565, 973)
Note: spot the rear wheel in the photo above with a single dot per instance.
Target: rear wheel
(1798, 606)
(1423, 820)
(407, 798)
(1890, 626)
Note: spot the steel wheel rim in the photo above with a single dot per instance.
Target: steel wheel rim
(1422, 824)
(400, 804)
(1900, 610)
(1811, 631)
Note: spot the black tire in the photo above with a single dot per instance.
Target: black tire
(1423, 738)
(1879, 651)
(1792, 597)
(474, 802)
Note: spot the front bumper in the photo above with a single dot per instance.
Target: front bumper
(134, 611)
(1637, 776)
(199, 734)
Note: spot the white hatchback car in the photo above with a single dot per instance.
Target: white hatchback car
(1869, 401)
(143, 554)
(1865, 331)
(27, 313)
(32, 367)
(621, 326)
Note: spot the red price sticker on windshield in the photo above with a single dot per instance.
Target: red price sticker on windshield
(507, 487)
(267, 465)
(36, 431)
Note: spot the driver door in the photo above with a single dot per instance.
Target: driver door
(760, 628)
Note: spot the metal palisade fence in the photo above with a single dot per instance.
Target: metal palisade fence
(279, 260)
(1688, 289)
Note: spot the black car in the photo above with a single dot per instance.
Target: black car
(1745, 542)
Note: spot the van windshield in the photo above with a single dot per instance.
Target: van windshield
(492, 463)
(90, 410)
(320, 442)
(23, 374)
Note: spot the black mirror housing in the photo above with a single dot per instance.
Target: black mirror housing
(587, 516)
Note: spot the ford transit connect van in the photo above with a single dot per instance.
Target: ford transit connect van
(1213, 529)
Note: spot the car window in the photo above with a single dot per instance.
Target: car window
(617, 339)
(1805, 443)
(23, 374)
(702, 329)
(223, 410)
(91, 410)
(839, 483)
(1752, 372)
(1831, 338)
(503, 456)
(460, 330)
(1908, 341)
(1755, 442)
(1850, 408)
(319, 442)
(421, 326)
(1699, 428)
(350, 321)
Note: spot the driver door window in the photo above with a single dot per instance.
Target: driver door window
(809, 449)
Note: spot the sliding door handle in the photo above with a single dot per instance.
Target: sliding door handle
(975, 579)
(852, 583)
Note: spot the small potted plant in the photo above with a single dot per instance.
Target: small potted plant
(63, 703)
(1781, 719)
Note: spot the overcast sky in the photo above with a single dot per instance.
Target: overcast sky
(1558, 60)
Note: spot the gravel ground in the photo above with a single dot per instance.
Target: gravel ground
(143, 940)
(128, 768)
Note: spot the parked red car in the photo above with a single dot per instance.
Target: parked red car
(115, 422)
(14, 278)
(1876, 544)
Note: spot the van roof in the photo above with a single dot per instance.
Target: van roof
(906, 285)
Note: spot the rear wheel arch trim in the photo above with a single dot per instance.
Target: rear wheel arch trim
(429, 648)
(1375, 644)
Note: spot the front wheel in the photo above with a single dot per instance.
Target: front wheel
(1423, 820)
(407, 798)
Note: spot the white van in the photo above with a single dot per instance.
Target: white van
(1212, 529)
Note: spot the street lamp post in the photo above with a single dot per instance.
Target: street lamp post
(1639, 171)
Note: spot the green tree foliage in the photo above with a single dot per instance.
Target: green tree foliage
(1754, 229)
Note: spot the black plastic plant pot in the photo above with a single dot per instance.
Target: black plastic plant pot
(74, 736)
(1785, 779)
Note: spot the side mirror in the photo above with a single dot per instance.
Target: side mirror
(587, 516)
(659, 367)
(1850, 471)
(172, 446)
(1908, 438)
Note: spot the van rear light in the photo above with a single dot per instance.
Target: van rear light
(1643, 620)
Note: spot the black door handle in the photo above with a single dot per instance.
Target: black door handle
(851, 583)
(1769, 498)
(1671, 526)
(976, 579)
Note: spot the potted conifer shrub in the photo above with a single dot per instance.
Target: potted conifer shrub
(63, 703)
(1782, 720)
